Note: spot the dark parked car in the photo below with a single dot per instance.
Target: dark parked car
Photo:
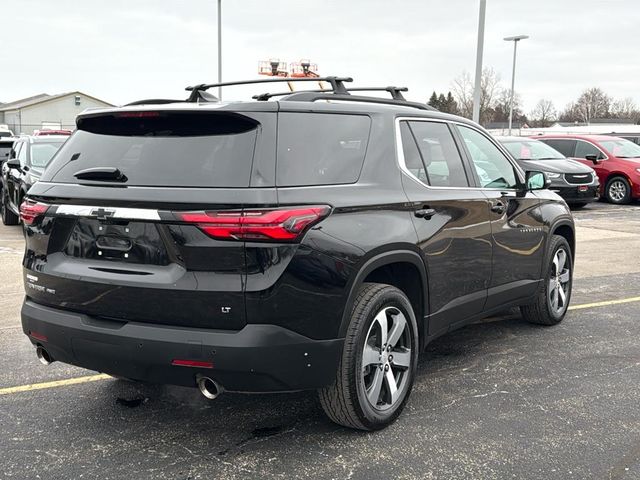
(284, 245)
(6, 144)
(573, 181)
(615, 160)
(24, 166)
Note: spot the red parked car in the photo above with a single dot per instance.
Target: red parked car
(615, 160)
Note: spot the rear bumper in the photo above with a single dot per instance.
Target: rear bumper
(575, 195)
(258, 358)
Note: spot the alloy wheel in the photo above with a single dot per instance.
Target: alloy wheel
(558, 290)
(386, 359)
(617, 190)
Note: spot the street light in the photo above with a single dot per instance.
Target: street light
(220, 48)
(478, 81)
(515, 39)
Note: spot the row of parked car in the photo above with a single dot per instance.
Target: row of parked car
(581, 168)
(23, 160)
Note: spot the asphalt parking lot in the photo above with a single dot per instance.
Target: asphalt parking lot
(497, 399)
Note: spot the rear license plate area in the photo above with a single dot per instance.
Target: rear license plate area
(128, 242)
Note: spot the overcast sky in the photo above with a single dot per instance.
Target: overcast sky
(123, 50)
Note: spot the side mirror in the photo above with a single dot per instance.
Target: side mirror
(13, 163)
(537, 181)
(592, 157)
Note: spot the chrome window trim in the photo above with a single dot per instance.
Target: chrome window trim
(403, 166)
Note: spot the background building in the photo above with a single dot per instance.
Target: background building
(47, 111)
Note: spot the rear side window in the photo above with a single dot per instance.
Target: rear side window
(565, 147)
(162, 149)
(439, 154)
(320, 149)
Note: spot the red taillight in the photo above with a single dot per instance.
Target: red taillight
(30, 210)
(191, 363)
(279, 224)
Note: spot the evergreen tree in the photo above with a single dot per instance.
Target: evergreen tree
(433, 101)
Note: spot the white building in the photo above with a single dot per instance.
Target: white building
(47, 111)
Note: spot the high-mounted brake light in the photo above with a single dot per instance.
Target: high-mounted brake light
(30, 210)
(137, 114)
(284, 224)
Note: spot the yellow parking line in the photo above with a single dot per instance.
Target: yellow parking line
(605, 303)
(102, 376)
(54, 384)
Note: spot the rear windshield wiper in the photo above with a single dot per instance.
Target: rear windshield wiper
(104, 174)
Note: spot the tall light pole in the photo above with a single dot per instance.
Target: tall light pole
(478, 83)
(220, 48)
(515, 39)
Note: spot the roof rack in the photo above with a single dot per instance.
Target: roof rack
(396, 92)
(337, 84)
(338, 91)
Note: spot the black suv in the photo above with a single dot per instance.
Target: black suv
(319, 241)
(23, 167)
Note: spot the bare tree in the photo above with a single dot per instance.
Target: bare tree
(625, 108)
(544, 113)
(593, 103)
(462, 88)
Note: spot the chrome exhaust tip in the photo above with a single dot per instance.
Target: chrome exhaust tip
(208, 387)
(44, 356)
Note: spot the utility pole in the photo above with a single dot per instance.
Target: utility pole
(478, 83)
(515, 39)
(220, 48)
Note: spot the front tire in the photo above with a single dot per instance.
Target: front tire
(553, 298)
(379, 359)
(8, 217)
(618, 191)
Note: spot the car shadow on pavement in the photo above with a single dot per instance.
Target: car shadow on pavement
(243, 419)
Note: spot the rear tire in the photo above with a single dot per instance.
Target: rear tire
(554, 296)
(371, 386)
(8, 217)
(618, 191)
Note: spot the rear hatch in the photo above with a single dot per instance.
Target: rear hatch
(137, 218)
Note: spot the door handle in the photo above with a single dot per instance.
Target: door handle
(498, 207)
(425, 213)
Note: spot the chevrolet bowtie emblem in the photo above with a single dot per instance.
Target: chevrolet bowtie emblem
(102, 213)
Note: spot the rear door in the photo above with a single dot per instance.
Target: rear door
(451, 219)
(141, 216)
(516, 220)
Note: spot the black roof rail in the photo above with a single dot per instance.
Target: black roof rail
(313, 96)
(337, 84)
(394, 91)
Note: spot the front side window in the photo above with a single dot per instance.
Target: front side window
(440, 156)
(492, 167)
(22, 154)
(585, 148)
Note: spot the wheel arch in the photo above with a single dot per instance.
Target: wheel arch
(567, 230)
(405, 270)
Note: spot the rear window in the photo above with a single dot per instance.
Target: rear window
(162, 149)
(320, 149)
